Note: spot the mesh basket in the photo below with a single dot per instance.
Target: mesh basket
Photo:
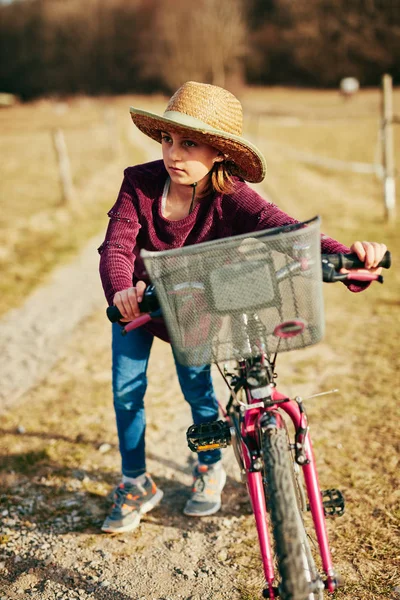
(236, 297)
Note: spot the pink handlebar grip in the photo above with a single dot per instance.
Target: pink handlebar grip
(363, 277)
(137, 322)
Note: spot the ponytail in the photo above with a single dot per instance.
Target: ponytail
(220, 180)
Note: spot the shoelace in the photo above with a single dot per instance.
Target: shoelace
(121, 495)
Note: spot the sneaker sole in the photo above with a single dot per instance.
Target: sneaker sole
(210, 511)
(205, 513)
(145, 508)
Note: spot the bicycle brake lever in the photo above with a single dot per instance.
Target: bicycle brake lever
(364, 277)
(139, 321)
(330, 275)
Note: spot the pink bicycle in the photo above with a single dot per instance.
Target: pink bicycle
(245, 300)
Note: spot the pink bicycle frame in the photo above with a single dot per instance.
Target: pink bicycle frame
(255, 488)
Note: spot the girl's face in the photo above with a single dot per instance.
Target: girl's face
(187, 161)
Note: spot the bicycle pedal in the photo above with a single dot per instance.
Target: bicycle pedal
(208, 436)
(333, 502)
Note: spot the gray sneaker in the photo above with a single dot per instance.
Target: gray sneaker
(130, 503)
(206, 491)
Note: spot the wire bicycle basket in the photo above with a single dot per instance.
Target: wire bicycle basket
(237, 297)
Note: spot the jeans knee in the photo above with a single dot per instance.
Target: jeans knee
(131, 399)
(203, 403)
(195, 382)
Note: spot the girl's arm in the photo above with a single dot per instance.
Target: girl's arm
(117, 252)
(256, 213)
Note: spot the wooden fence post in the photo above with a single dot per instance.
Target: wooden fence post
(389, 186)
(64, 168)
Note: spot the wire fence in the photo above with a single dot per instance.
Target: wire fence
(383, 165)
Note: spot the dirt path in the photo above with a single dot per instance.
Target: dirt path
(60, 461)
(32, 337)
(52, 511)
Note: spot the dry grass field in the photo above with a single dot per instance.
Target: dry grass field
(38, 231)
(355, 432)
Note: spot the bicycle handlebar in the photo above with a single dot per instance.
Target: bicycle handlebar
(331, 264)
(149, 304)
(351, 261)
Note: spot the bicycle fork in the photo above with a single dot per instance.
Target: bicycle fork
(255, 488)
(257, 496)
(256, 418)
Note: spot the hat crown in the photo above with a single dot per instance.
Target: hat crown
(211, 104)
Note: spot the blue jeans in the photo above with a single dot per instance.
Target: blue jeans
(130, 357)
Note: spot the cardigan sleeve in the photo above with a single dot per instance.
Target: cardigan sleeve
(117, 252)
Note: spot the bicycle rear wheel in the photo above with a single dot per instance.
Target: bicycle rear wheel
(299, 576)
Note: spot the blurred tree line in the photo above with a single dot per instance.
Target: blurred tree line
(118, 46)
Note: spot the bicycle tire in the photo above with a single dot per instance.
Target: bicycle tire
(295, 563)
(312, 574)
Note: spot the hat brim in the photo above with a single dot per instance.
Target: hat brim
(245, 159)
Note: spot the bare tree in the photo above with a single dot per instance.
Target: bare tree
(115, 46)
(54, 46)
(202, 40)
(318, 42)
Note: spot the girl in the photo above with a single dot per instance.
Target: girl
(196, 193)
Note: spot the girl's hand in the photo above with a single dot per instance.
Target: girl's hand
(371, 253)
(127, 301)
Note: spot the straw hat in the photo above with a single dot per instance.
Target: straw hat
(211, 115)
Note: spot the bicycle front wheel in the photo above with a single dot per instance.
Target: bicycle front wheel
(298, 573)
